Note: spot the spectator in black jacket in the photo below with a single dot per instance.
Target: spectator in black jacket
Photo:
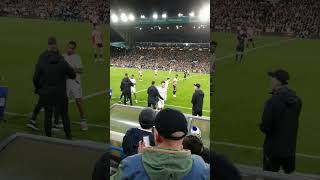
(197, 101)
(280, 122)
(153, 95)
(126, 89)
(49, 80)
(131, 140)
(222, 169)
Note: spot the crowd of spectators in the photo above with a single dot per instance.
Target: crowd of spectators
(67, 10)
(176, 59)
(297, 17)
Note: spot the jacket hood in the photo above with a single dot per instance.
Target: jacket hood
(54, 57)
(162, 163)
(287, 95)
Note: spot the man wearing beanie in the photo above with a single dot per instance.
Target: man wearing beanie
(279, 123)
(130, 142)
(167, 160)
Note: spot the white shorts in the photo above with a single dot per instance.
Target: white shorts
(133, 90)
(161, 104)
(74, 89)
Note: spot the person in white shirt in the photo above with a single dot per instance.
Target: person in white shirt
(167, 83)
(133, 88)
(140, 74)
(156, 72)
(74, 89)
(163, 93)
(97, 40)
(174, 84)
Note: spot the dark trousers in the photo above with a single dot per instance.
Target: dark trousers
(154, 106)
(127, 97)
(38, 108)
(196, 113)
(60, 106)
(274, 164)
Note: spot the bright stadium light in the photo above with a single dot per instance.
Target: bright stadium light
(180, 15)
(114, 18)
(164, 16)
(123, 17)
(191, 14)
(204, 14)
(142, 17)
(155, 16)
(131, 17)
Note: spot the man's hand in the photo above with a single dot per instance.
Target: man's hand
(141, 146)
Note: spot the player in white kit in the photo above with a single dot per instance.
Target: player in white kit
(74, 89)
(249, 33)
(97, 40)
(174, 84)
(170, 70)
(133, 88)
(167, 83)
(156, 72)
(140, 74)
(163, 93)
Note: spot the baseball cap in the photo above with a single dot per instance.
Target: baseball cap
(197, 84)
(281, 75)
(169, 121)
(146, 118)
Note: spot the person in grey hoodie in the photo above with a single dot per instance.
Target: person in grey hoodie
(167, 160)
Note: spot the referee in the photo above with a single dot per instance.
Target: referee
(50, 76)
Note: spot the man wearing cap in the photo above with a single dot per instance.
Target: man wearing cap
(279, 123)
(130, 142)
(167, 160)
(50, 77)
(197, 100)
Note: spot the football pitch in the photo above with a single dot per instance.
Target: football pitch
(21, 42)
(241, 90)
(185, 88)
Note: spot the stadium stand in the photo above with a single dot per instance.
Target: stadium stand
(67, 10)
(195, 60)
(300, 18)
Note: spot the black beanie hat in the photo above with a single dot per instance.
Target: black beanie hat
(146, 118)
(169, 121)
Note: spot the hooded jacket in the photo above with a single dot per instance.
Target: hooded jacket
(160, 164)
(126, 86)
(197, 100)
(280, 122)
(51, 73)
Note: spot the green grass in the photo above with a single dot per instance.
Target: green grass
(21, 42)
(241, 90)
(185, 88)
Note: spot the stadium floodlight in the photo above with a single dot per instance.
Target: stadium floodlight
(180, 15)
(131, 17)
(164, 15)
(191, 14)
(155, 16)
(142, 17)
(204, 14)
(114, 18)
(124, 17)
